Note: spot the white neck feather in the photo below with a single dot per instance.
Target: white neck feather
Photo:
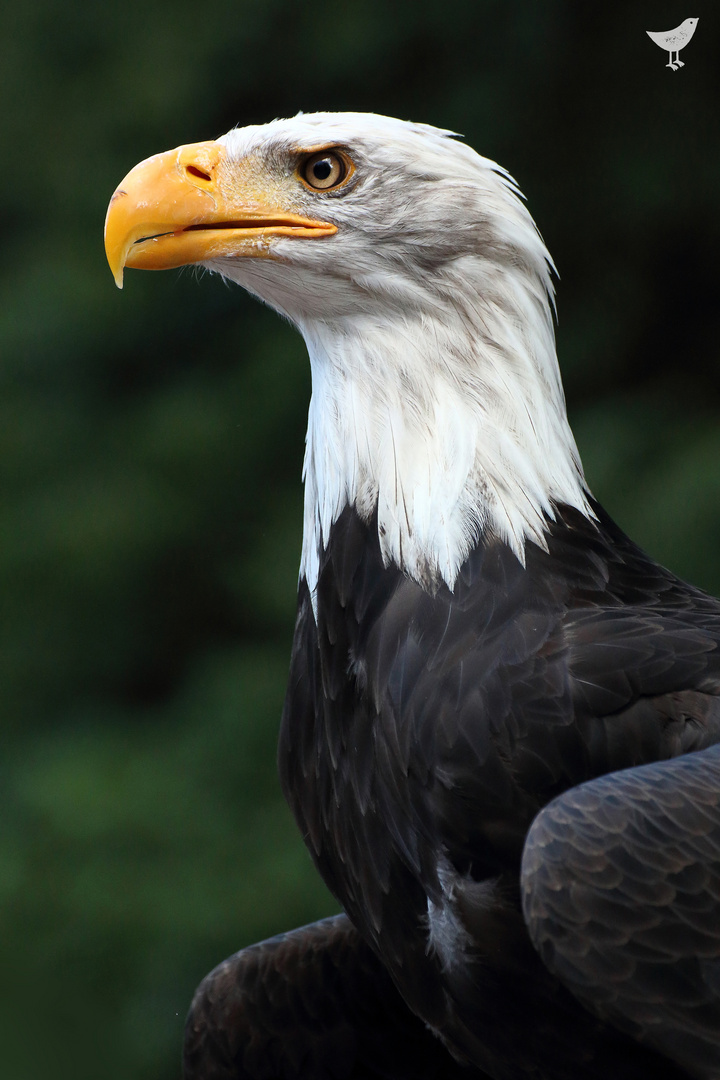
(451, 428)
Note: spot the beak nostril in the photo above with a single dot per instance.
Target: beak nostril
(194, 171)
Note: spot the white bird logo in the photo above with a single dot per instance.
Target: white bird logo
(674, 40)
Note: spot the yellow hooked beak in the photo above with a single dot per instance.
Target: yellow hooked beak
(187, 206)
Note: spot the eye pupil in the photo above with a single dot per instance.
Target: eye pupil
(322, 169)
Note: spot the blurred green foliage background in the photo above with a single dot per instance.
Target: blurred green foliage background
(151, 447)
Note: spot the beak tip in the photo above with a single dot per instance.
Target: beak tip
(117, 269)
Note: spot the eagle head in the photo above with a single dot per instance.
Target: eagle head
(423, 290)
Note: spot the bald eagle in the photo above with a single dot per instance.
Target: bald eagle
(501, 736)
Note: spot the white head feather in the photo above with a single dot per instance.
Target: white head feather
(428, 319)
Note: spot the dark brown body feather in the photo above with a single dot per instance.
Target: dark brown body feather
(422, 735)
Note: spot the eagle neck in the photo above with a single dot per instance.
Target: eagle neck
(446, 430)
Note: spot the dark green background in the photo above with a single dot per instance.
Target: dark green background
(151, 445)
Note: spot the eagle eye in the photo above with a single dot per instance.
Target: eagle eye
(324, 170)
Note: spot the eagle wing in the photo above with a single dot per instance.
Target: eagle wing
(315, 1002)
(621, 895)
